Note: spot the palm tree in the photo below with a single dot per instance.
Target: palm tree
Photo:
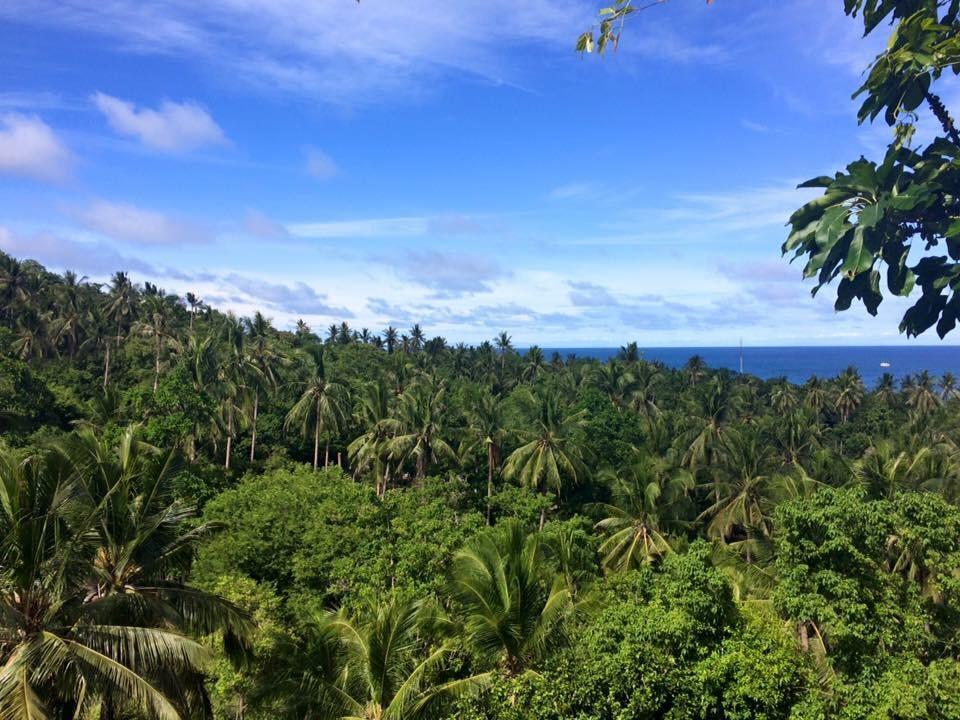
(504, 345)
(72, 640)
(922, 397)
(552, 454)
(121, 303)
(514, 608)
(715, 405)
(884, 471)
(850, 393)
(783, 397)
(742, 506)
(264, 362)
(390, 336)
(816, 396)
(696, 369)
(647, 495)
(629, 353)
(370, 451)
(886, 391)
(948, 387)
(323, 403)
(376, 667)
(155, 323)
(194, 302)
(232, 382)
(73, 314)
(422, 418)
(643, 395)
(616, 381)
(534, 364)
(486, 418)
(417, 338)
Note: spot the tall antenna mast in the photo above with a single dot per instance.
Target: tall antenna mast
(741, 356)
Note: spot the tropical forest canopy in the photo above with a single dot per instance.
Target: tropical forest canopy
(208, 516)
(203, 514)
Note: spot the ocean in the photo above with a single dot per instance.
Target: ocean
(797, 364)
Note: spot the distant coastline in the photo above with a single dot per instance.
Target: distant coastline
(797, 363)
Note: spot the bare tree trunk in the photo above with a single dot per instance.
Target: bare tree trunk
(326, 455)
(804, 637)
(543, 517)
(253, 434)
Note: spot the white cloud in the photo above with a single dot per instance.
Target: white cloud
(320, 165)
(335, 50)
(571, 191)
(173, 127)
(365, 228)
(30, 148)
(259, 225)
(133, 224)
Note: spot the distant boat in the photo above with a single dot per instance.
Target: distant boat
(884, 364)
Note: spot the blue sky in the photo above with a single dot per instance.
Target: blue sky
(454, 164)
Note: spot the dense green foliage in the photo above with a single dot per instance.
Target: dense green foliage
(396, 528)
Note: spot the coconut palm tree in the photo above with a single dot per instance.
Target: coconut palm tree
(322, 404)
(422, 426)
(849, 393)
(715, 404)
(390, 337)
(629, 353)
(73, 314)
(815, 397)
(643, 396)
(79, 635)
(552, 453)
(743, 504)
(121, 303)
(886, 471)
(417, 338)
(695, 369)
(264, 363)
(948, 387)
(616, 381)
(886, 391)
(155, 323)
(370, 452)
(486, 420)
(377, 666)
(515, 608)
(922, 397)
(648, 496)
(783, 398)
(534, 364)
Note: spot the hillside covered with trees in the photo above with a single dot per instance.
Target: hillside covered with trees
(207, 515)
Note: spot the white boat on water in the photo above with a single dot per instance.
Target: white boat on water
(884, 364)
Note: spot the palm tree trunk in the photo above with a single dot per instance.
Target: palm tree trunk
(253, 434)
(106, 367)
(326, 455)
(543, 517)
(156, 366)
(489, 480)
(226, 462)
(804, 637)
(316, 439)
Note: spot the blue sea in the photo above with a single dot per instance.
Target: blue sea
(797, 364)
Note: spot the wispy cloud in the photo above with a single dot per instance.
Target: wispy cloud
(132, 224)
(172, 127)
(319, 165)
(571, 191)
(259, 225)
(30, 148)
(448, 274)
(335, 51)
(298, 298)
(361, 228)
